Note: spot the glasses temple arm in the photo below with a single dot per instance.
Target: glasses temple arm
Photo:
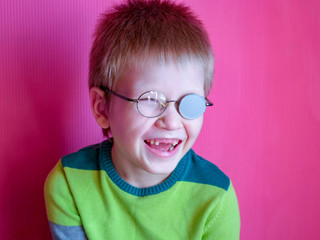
(107, 90)
(208, 102)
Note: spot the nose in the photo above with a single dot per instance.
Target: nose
(170, 119)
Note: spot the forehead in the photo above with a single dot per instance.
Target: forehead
(170, 76)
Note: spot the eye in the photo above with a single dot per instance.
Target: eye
(151, 104)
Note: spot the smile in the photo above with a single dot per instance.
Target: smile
(163, 145)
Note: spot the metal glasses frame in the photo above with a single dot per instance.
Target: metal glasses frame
(107, 90)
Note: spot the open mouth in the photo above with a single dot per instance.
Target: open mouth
(163, 145)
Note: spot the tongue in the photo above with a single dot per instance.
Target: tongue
(161, 147)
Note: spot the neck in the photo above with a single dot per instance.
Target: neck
(138, 178)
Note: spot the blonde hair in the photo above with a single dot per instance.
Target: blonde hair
(143, 31)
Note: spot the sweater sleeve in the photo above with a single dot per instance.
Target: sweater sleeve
(64, 220)
(224, 223)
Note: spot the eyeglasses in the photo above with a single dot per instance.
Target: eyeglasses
(152, 104)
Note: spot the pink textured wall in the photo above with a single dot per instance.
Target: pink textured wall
(264, 130)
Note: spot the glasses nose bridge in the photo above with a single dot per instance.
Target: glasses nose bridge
(170, 118)
(176, 105)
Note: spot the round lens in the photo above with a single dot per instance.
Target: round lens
(192, 106)
(151, 104)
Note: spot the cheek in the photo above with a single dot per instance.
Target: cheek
(128, 123)
(194, 127)
(121, 112)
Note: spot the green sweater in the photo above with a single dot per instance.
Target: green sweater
(87, 199)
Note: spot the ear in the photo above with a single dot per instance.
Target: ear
(99, 107)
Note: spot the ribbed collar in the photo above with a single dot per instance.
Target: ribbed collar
(107, 165)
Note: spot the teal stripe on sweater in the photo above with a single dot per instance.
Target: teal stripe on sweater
(86, 158)
(196, 169)
(199, 170)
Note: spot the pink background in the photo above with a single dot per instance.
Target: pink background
(264, 130)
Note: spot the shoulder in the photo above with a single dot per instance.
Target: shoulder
(200, 170)
(86, 158)
(65, 178)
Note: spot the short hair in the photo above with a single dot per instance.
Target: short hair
(137, 31)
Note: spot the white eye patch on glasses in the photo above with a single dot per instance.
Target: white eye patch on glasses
(152, 104)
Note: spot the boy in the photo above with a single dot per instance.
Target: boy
(151, 69)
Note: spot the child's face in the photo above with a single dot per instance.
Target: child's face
(142, 151)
